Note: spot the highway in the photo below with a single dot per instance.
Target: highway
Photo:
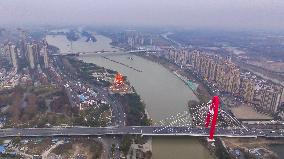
(138, 130)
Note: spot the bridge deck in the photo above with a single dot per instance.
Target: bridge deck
(146, 131)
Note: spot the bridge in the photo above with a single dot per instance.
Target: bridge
(81, 53)
(101, 51)
(179, 125)
(141, 51)
(137, 130)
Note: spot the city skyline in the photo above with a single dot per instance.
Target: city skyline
(142, 79)
(89, 91)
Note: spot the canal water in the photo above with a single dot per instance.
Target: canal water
(163, 93)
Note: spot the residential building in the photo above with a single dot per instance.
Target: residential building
(270, 100)
(247, 90)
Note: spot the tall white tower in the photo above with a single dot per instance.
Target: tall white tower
(14, 56)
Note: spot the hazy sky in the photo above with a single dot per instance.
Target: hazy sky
(261, 14)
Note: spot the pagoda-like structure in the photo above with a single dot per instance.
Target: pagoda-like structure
(118, 80)
(119, 86)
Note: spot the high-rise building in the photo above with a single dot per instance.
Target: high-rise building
(6, 50)
(194, 59)
(270, 100)
(45, 56)
(247, 90)
(234, 81)
(130, 42)
(36, 52)
(14, 56)
(33, 53)
(30, 53)
(213, 69)
(220, 73)
(23, 44)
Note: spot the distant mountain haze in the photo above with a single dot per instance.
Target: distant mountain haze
(247, 14)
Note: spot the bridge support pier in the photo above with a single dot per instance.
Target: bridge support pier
(210, 140)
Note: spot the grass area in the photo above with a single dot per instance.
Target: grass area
(246, 144)
(247, 112)
(63, 149)
(38, 146)
(71, 148)
(88, 147)
(251, 142)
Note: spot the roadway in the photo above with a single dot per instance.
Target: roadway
(138, 130)
(119, 117)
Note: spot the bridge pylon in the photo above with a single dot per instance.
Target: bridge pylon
(213, 110)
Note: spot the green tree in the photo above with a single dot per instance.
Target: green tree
(125, 144)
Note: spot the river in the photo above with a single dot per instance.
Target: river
(163, 93)
(278, 149)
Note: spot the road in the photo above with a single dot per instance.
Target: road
(139, 130)
(116, 106)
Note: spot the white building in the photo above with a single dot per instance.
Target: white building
(14, 56)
